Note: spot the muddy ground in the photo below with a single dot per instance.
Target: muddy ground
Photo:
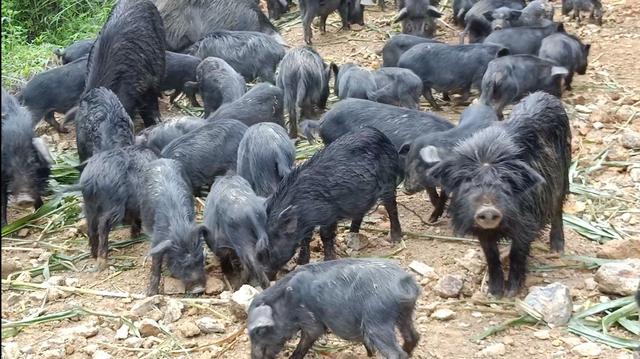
(602, 107)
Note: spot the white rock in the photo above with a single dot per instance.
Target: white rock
(209, 325)
(55, 280)
(619, 278)
(542, 334)
(492, 351)
(588, 349)
(598, 125)
(90, 348)
(10, 350)
(122, 332)
(86, 330)
(27, 349)
(173, 311)
(133, 342)
(53, 354)
(189, 329)
(422, 269)
(244, 296)
(590, 284)
(472, 261)
(553, 302)
(99, 354)
(443, 314)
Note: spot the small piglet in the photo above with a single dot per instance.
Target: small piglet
(361, 300)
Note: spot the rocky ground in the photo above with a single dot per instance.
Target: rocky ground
(70, 312)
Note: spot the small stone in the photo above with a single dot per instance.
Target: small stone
(583, 109)
(148, 327)
(476, 314)
(133, 342)
(443, 314)
(53, 354)
(122, 332)
(492, 351)
(431, 307)
(507, 340)
(189, 329)
(449, 286)
(422, 269)
(571, 341)
(357, 241)
(146, 305)
(10, 266)
(588, 350)
(553, 302)
(55, 280)
(634, 173)
(472, 261)
(24, 277)
(10, 350)
(173, 311)
(558, 354)
(90, 349)
(598, 125)
(556, 342)
(214, 286)
(87, 331)
(150, 342)
(71, 282)
(99, 354)
(620, 249)
(13, 299)
(590, 284)
(23, 233)
(619, 278)
(27, 349)
(173, 286)
(542, 334)
(630, 140)
(209, 325)
(244, 296)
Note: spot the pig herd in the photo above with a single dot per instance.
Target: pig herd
(503, 179)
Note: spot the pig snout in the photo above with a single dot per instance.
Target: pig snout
(24, 200)
(488, 217)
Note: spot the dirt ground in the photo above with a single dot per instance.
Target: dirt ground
(602, 106)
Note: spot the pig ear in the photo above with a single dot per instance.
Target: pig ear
(402, 14)
(260, 317)
(43, 149)
(559, 71)
(160, 247)
(404, 149)
(433, 11)
(515, 14)
(288, 218)
(502, 52)
(488, 15)
(429, 154)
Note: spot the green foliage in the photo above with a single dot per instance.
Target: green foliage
(32, 29)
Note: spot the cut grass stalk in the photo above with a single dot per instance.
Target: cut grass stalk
(494, 329)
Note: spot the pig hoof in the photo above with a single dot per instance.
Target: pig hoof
(102, 264)
(394, 238)
(510, 293)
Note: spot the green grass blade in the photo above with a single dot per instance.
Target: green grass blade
(599, 308)
(46, 209)
(577, 327)
(618, 314)
(631, 325)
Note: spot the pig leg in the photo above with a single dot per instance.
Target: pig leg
(438, 209)
(517, 265)
(307, 338)
(409, 334)
(328, 236)
(355, 225)
(92, 229)
(154, 281)
(48, 118)
(434, 198)
(323, 24)
(5, 198)
(390, 204)
(557, 232)
(149, 110)
(463, 98)
(306, 25)
(568, 80)
(445, 96)
(343, 10)
(104, 227)
(489, 246)
(370, 351)
(383, 338)
(136, 226)
(305, 252)
(426, 92)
